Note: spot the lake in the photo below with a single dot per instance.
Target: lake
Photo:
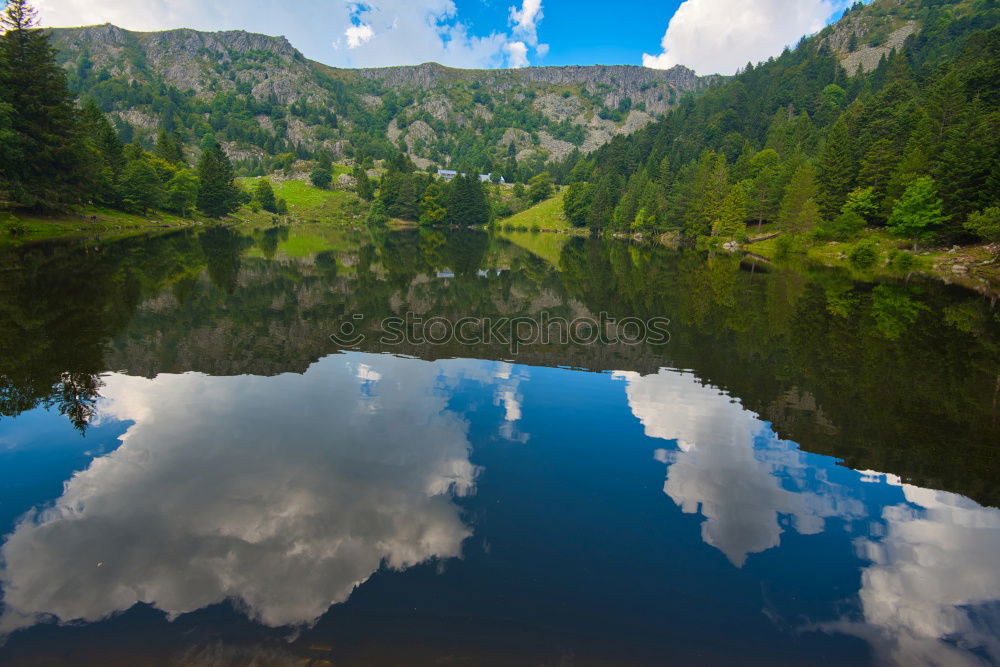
(286, 446)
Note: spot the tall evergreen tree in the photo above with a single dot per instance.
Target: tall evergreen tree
(217, 191)
(602, 206)
(577, 202)
(467, 204)
(169, 147)
(364, 185)
(141, 187)
(800, 190)
(964, 162)
(711, 185)
(764, 189)
(109, 153)
(836, 169)
(54, 169)
(263, 194)
(731, 223)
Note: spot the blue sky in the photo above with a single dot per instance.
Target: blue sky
(707, 35)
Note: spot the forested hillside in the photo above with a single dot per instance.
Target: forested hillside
(268, 105)
(889, 118)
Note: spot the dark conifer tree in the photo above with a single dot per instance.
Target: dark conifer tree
(54, 170)
(109, 150)
(169, 147)
(217, 191)
(836, 169)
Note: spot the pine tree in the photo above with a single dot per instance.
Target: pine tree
(800, 190)
(602, 206)
(169, 147)
(263, 194)
(378, 214)
(836, 169)
(964, 161)
(809, 217)
(109, 150)
(577, 202)
(141, 187)
(731, 223)
(364, 185)
(764, 190)
(467, 203)
(918, 214)
(877, 167)
(54, 169)
(710, 187)
(217, 191)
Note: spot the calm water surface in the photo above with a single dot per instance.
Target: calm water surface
(193, 472)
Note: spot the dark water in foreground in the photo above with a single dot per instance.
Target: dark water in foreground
(192, 472)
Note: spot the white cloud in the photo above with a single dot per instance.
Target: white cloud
(720, 36)
(526, 20)
(408, 32)
(375, 33)
(517, 54)
(358, 34)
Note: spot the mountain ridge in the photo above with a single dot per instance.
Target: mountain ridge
(278, 101)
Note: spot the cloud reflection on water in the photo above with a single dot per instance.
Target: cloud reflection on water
(281, 493)
(931, 593)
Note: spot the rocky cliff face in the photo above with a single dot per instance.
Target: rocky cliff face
(570, 107)
(617, 82)
(203, 62)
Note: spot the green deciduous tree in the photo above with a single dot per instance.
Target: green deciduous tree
(432, 209)
(918, 213)
(862, 201)
(985, 224)
(182, 192)
(540, 187)
(321, 176)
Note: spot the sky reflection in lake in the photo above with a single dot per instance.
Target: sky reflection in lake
(287, 493)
